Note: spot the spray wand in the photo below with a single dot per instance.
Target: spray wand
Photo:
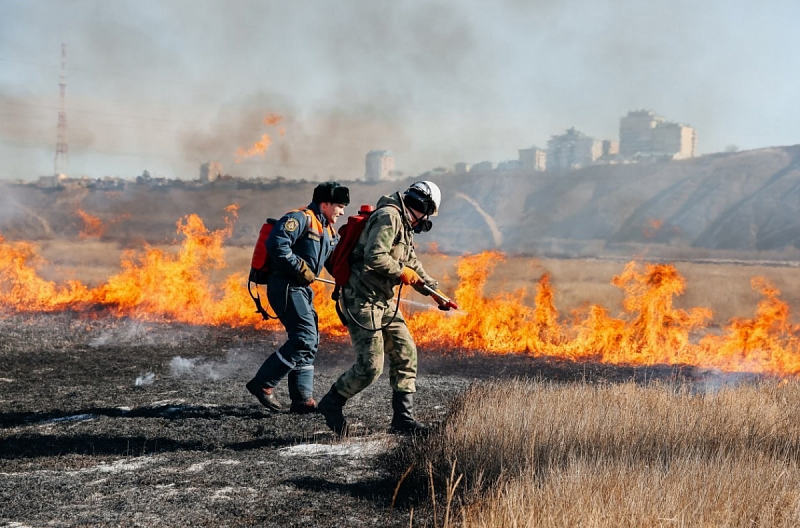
(445, 303)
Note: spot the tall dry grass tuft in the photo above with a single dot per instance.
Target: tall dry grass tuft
(540, 454)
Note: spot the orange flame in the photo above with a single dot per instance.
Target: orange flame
(650, 330)
(652, 228)
(433, 248)
(768, 342)
(21, 288)
(273, 119)
(259, 148)
(92, 226)
(158, 285)
(155, 285)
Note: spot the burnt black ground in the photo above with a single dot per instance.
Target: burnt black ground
(115, 422)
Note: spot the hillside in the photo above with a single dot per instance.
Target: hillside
(743, 203)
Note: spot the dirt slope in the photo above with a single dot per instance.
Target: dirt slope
(743, 201)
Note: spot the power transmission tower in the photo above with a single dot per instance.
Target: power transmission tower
(62, 150)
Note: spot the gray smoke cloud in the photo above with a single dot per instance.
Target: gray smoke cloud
(18, 217)
(170, 85)
(497, 236)
(145, 379)
(199, 368)
(130, 333)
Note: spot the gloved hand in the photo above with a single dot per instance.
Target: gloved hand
(305, 276)
(441, 302)
(409, 277)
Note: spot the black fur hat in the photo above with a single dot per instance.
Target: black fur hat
(331, 192)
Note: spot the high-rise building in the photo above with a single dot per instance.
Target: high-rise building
(210, 171)
(572, 150)
(610, 148)
(674, 140)
(644, 134)
(379, 165)
(462, 167)
(636, 132)
(533, 159)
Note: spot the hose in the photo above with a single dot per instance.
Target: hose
(381, 328)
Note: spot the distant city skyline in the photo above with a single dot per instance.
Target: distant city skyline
(167, 86)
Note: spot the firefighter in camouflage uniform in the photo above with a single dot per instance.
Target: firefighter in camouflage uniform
(383, 258)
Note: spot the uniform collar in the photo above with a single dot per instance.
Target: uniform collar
(314, 206)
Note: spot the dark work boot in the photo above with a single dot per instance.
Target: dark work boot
(265, 395)
(331, 408)
(403, 421)
(303, 407)
(301, 389)
(271, 372)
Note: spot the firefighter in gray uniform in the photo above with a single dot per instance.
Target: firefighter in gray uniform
(383, 258)
(298, 246)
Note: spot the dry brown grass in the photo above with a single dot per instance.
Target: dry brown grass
(90, 261)
(540, 454)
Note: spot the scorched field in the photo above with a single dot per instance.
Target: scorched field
(122, 399)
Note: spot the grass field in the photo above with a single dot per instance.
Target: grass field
(527, 453)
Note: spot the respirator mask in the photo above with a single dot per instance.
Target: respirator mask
(423, 226)
(420, 202)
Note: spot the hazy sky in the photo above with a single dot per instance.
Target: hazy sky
(168, 85)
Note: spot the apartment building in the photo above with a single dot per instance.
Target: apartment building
(533, 159)
(379, 165)
(572, 150)
(645, 134)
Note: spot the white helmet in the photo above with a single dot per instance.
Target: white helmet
(425, 197)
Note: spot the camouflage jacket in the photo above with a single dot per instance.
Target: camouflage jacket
(384, 248)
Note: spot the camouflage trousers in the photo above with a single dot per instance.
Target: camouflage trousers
(394, 341)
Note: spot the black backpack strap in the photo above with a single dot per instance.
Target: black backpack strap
(335, 296)
(257, 301)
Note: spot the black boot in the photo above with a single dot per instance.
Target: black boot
(330, 406)
(308, 406)
(265, 395)
(403, 421)
(262, 385)
(301, 387)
